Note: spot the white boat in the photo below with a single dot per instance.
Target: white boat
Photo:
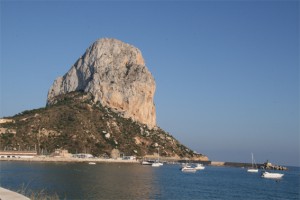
(157, 163)
(147, 162)
(92, 163)
(253, 169)
(199, 167)
(272, 175)
(188, 169)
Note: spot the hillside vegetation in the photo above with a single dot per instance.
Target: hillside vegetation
(77, 124)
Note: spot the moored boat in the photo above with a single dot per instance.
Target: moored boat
(156, 164)
(188, 168)
(272, 175)
(253, 169)
(147, 162)
(199, 167)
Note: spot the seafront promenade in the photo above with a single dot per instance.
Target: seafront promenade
(62, 159)
(6, 194)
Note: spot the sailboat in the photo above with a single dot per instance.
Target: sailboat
(253, 169)
(157, 163)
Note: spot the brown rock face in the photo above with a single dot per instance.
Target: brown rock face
(115, 73)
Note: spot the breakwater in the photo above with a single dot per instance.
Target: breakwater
(267, 165)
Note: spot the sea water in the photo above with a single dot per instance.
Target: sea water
(134, 181)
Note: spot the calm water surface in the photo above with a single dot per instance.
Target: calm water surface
(133, 181)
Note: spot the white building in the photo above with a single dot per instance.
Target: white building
(18, 154)
(83, 155)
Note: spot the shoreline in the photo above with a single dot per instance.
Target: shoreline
(120, 160)
(57, 159)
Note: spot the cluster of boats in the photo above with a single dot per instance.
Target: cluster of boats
(185, 167)
(264, 174)
(193, 168)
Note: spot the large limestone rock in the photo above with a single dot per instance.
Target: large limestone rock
(115, 73)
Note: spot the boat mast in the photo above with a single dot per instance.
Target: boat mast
(158, 153)
(252, 159)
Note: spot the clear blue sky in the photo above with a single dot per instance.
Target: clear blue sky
(227, 72)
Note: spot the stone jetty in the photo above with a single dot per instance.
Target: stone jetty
(270, 166)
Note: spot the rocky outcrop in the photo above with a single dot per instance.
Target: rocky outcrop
(115, 74)
(269, 166)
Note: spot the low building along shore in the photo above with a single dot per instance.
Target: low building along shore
(18, 154)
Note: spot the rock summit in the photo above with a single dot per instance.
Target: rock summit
(115, 74)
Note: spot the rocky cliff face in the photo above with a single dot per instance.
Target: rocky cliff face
(115, 74)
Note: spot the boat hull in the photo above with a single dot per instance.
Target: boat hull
(147, 163)
(272, 175)
(199, 167)
(157, 164)
(252, 170)
(188, 169)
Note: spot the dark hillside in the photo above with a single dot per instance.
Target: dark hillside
(77, 124)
